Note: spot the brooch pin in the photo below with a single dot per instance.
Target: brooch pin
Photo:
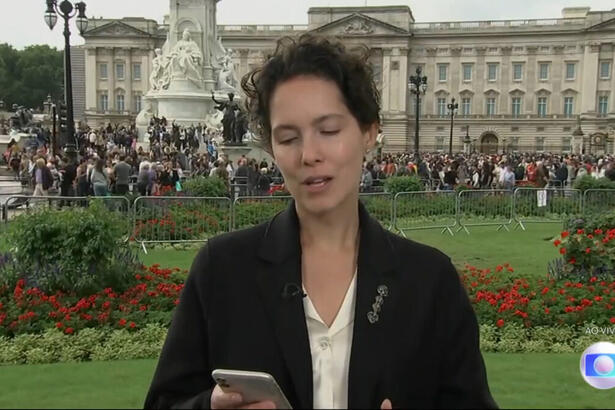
(383, 292)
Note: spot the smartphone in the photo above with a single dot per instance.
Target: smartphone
(253, 386)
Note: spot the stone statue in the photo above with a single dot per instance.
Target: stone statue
(227, 79)
(145, 116)
(213, 119)
(229, 119)
(159, 79)
(185, 60)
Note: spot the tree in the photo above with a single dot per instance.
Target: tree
(28, 76)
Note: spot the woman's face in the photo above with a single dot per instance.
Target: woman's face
(314, 135)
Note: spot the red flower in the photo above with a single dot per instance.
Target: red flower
(132, 325)
(564, 234)
(510, 269)
(588, 250)
(499, 268)
(612, 320)
(59, 325)
(597, 298)
(500, 323)
(580, 231)
(598, 231)
(593, 279)
(557, 242)
(573, 261)
(545, 290)
(138, 277)
(122, 322)
(69, 330)
(547, 310)
(562, 251)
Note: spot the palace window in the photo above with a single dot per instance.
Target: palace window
(605, 70)
(517, 72)
(570, 71)
(119, 71)
(543, 73)
(442, 107)
(467, 72)
(542, 106)
(136, 71)
(466, 106)
(103, 72)
(516, 107)
(492, 72)
(103, 102)
(442, 72)
(568, 106)
(491, 106)
(603, 105)
(119, 102)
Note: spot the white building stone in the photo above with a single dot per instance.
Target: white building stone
(521, 85)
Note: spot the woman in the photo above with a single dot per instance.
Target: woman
(416, 345)
(100, 179)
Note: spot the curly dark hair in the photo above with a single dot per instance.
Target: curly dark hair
(313, 55)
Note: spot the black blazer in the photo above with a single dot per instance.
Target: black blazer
(422, 352)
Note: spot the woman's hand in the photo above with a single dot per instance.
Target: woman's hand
(386, 405)
(222, 400)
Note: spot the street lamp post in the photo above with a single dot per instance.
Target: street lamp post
(67, 11)
(467, 142)
(417, 85)
(452, 108)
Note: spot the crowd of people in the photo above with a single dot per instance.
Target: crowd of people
(111, 163)
(484, 171)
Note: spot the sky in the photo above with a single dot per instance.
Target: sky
(22, 24)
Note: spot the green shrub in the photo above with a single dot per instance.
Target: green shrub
(600, 220)
(395, 185)
(71, 250)
(588, 182)
(89, 344)
(212, 187)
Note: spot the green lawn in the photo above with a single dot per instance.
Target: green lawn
(516, 381)
(528, 251)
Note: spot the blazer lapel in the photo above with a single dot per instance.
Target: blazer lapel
(368, 359)
(281, 248)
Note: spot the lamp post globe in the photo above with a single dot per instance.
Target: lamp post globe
(452, 108)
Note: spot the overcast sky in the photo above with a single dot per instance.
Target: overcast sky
(21, 21)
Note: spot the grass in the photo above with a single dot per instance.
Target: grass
(528, 251)
(530, 380)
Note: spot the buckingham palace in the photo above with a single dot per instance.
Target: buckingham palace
(520, 85)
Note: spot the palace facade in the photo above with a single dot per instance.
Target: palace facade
(520, 85)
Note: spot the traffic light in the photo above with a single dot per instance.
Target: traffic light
(63, 117)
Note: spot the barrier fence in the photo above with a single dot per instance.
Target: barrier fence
(380, 206)
(484, 208)
(597, 201)
(196, 219)
(425, 210)
(251, 211)
(548, 205)
(179, 219)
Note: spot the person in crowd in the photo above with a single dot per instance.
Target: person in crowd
(122, 172)
(325, 278)
(99, 178)
(42, 178)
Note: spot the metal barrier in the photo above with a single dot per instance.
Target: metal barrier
(19, 204)
(425, 210)
(254, 210)
(380, 206)
(598, 200)
(484, 208)
(546, 205)
(179, 219)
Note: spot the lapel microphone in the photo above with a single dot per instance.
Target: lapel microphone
(292, 290)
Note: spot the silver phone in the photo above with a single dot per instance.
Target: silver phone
(253, 386)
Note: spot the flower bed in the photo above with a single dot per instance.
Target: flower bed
(515, 314)
(500, 297)
(27, 310)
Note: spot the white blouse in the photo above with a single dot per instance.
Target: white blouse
(330, 348)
